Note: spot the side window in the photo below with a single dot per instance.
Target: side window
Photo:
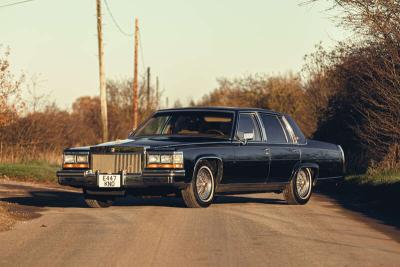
(273, 129)
(289, 130)
(248, 124)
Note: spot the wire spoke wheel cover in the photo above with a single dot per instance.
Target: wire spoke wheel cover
(205, 184)
(303, 183)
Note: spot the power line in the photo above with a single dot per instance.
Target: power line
(115, 21)
(16, 3)
(117, 25)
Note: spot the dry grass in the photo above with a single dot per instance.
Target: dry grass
(30, 154)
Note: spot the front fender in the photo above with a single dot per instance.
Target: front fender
(195, 161)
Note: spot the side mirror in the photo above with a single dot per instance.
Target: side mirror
(245, 137)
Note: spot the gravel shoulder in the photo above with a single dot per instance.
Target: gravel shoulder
(13, 212)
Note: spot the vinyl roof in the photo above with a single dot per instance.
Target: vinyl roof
(220, 109)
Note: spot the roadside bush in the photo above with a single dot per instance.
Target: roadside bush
(43, 134)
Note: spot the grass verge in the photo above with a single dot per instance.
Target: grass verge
(30, 171)
(376, 195)
(380, 188)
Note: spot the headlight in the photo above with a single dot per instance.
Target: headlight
(82, 158)
(165, 160)
(69, 158)
(178, 158)
(153, 159)
(76, 161)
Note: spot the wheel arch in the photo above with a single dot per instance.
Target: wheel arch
(217, 163)
(314, 167)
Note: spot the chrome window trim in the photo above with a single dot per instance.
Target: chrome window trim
(290, 130)
(261, 125)
(280, 122)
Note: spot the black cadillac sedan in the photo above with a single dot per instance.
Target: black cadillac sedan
(197, 153)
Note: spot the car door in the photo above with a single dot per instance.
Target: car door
(251, 163)
(283, 152)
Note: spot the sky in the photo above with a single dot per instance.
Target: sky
(187, 43)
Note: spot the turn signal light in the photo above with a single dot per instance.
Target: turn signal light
(164, 166)
(164, 160)
(76, 165)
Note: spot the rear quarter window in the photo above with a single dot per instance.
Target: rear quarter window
(301, 139)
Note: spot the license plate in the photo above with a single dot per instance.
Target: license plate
(109, 180)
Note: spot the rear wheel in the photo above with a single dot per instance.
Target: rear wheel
(98, 201)
(299, 189)
(200, 192)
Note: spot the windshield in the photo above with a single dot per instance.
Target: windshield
(200, 123)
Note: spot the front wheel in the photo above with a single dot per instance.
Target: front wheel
(98, 201)
(200, 192)
(299, 189)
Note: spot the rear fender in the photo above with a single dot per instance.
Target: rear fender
(313, 166)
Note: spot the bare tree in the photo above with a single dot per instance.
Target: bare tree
(10, 90)
(369, 70)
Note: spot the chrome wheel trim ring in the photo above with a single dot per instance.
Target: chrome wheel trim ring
(205, 184)
(303, 183)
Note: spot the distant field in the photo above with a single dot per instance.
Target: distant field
(31, 171)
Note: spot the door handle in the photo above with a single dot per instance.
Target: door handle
(266, 151)
(294, 150)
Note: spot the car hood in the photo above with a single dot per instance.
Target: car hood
(167, 142)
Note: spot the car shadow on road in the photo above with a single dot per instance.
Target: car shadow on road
(385, 212)
(70, 199)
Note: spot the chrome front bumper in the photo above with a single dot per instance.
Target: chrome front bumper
(88, 179)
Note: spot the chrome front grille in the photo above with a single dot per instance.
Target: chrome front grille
(114, 163)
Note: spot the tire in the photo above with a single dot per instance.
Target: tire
(299, 189)
(200, 192)
(98, 201)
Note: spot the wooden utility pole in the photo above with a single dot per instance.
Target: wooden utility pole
(148, 88)
(135, 76)
(103, 92)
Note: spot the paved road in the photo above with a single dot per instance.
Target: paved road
(247, 230)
